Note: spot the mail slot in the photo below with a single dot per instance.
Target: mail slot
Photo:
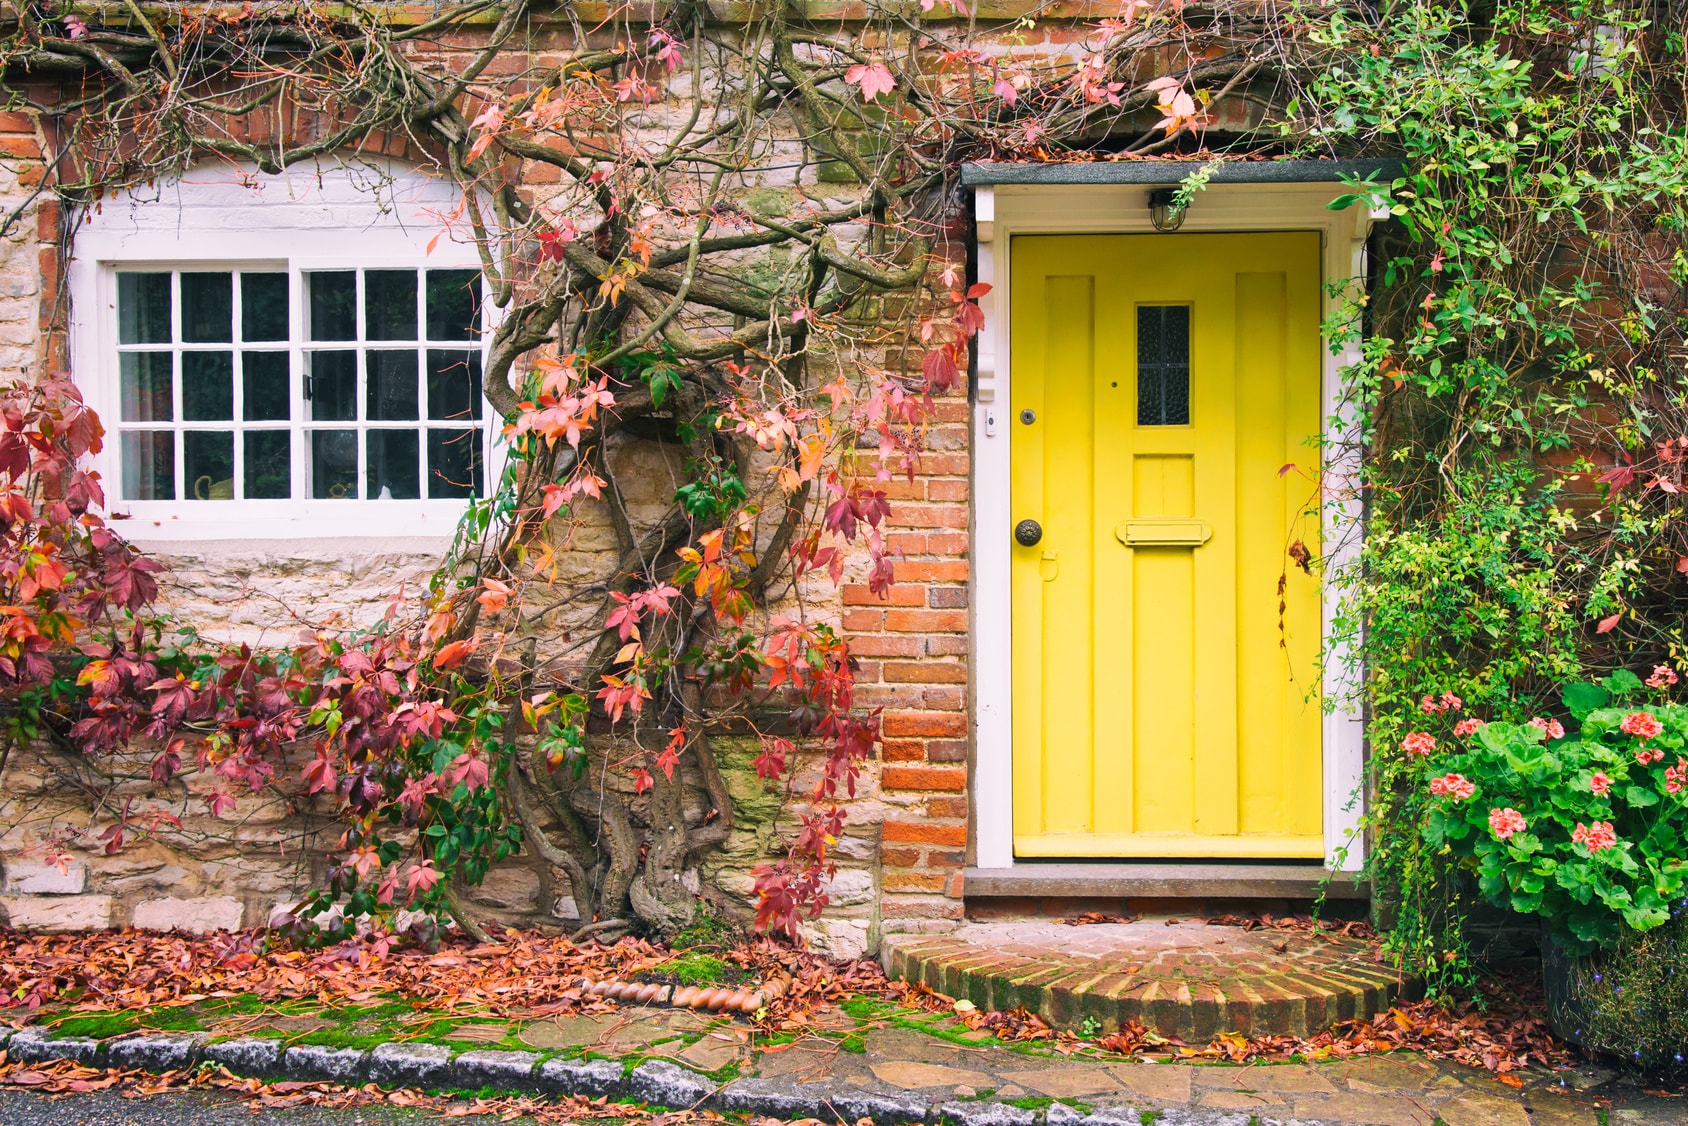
(1163, 532)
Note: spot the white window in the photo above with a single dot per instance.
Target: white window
(320, 376)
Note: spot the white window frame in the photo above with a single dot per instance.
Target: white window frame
(1005, 210)
(311, 231)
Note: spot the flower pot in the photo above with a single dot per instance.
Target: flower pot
(1562, 976)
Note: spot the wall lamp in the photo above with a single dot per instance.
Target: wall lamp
(1161, 211)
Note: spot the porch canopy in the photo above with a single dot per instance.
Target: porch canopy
(989, 173)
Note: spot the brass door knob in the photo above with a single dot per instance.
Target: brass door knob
(1027, 533)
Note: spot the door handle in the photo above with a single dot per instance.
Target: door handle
(1027, 533)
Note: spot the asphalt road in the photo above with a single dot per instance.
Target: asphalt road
(196, 1108)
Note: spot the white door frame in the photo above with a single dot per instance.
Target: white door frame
(1004, 210)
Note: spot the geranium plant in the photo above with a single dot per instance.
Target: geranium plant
(1588, 829)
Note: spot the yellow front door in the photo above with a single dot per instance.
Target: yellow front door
(1165, 642)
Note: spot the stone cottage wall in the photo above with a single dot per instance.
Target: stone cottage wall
(905, 844)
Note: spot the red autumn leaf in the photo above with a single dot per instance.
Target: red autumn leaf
(873, 78)
(450, 656)
(1607, 624)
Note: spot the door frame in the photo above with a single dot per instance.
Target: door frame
(1003, 210)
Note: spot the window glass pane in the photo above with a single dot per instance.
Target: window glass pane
(454, 298)
(143, 309)
(333, 304)
(208, 457)
(265, 394)
(333, 385)
(208, 386)
(454, 463)
(149, 465)
(392, 385)
(269, 465)
(392, 465)
(145, 386)
(454, 385)
(334, 464)
(389, 304)
(207, 308)
(1163, 365)
(263, 307)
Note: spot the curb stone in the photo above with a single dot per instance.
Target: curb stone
(410, 1065)
(655, 1081)
(154, 1052)
(987, 1114)
(255, 1056)
(491, 1068)
(764, 1097)
(581, 1077)
(667, 1084)
(336, 1065)
(33, 1045)
(886, 1111)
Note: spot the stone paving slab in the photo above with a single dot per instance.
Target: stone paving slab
(1181, 979)
(900, 1066)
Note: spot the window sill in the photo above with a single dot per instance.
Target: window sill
(170, 521)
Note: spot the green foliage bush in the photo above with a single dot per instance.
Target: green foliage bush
(1588, 830)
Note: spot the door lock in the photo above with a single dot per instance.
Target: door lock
(1027, 533)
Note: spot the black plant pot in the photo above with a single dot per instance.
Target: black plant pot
(1562, 974)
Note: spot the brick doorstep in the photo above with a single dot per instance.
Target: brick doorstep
(1176, 984)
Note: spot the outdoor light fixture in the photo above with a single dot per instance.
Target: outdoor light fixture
(1161, 213)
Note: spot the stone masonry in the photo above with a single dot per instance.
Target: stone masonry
(906, 842)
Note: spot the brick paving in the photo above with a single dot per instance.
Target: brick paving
(1183, 979)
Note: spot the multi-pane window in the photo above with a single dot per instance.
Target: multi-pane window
(371, 390)
(1163, 365)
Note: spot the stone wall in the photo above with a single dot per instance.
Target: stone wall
(905, 844)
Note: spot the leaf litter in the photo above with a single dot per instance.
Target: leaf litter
(525, 975)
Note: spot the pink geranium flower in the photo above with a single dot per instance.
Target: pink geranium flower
(1663, 677)
(1596, 837)
(1676, 776)
(1647, 757)
(1467, 727)
(1505, 822)
(1644, 724)
(1455, 786)
(1554, 729)
(1600, 783)
(1419, 743)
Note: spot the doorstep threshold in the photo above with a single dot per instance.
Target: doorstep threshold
(1164, 880)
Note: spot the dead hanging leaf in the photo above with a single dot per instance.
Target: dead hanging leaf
(1302, 557)
(1608, 624)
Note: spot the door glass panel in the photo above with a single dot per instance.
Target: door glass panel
(208, 457)
(143, 308)
(334, 464)
(1163, 365)
(207, 308)
(263, 307)
(269, 465)
(146, 387)
(208, 386)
